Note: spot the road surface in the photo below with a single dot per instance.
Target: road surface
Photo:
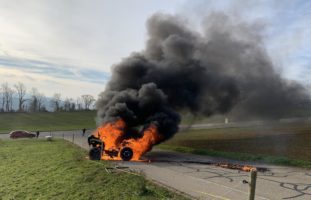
(188, 174)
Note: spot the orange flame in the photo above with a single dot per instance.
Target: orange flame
(112, 134)
(144, 144)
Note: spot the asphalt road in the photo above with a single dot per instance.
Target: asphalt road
(188, 174)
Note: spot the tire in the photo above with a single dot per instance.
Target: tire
(126, 154)
(95, 153)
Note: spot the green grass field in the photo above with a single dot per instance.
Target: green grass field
(37, 169)
(47, 121)
(288, 144)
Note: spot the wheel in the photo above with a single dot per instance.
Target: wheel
(126, 154)
(95, 153)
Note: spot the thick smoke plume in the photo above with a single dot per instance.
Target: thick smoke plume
(203, 73)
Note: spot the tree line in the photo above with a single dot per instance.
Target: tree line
(34, 101)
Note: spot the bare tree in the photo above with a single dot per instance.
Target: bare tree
(87, 100)
(36, 103)
(10, 95)
(33, 103)
(41, 99)
(4, 89)
(79, 103)
(72, 106)
(7, 93)
(2, 99)
(67, 104)
(21, 92)
(56, 100)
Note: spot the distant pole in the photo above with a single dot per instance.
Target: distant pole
(73, 138)
(252, 184)
(63, 135)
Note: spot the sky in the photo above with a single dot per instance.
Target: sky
(70, 46)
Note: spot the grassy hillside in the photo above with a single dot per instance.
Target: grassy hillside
(47, 121)
(288, 143)
(37, 169)
(78, 120)
(233, 117)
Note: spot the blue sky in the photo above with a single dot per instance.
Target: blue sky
(69, 46)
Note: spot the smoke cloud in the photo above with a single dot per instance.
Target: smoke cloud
(206, 73)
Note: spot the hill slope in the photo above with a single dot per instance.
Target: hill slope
(47, 121)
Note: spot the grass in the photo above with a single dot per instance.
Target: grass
(240, 156)
(84, 119)
(47, 121)
(299, 112)
(37, 169)
(286, 144)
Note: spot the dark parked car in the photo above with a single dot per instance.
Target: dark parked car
(21, 134)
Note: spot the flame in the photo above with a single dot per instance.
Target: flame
(111, 133)
(113, 136)
(144, 144)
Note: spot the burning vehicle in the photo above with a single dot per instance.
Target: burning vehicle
(110, 142)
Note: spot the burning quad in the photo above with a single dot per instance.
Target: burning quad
(109, 142)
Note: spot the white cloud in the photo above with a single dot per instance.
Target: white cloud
(90, 36)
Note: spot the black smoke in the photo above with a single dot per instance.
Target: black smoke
(203, 73)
